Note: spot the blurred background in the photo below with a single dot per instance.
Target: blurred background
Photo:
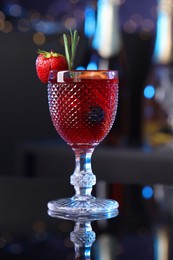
(131, 36)
(134, 38)
(124, 40)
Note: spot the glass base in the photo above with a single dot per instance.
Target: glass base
(86, 209)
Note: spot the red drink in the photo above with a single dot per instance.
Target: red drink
(83, 109)
(83, 106)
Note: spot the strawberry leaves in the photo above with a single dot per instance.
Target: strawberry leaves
(48, 54)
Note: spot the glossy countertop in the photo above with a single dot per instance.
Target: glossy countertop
(141, 230)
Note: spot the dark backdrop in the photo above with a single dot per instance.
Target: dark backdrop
(24, 110)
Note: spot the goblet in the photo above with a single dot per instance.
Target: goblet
(83, 106)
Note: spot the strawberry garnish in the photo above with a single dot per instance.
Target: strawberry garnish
(47, 61)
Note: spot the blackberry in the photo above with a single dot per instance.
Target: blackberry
(96, 115)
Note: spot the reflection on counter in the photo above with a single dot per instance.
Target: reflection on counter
(141, 230)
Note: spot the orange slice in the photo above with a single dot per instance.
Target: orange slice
(93, 75)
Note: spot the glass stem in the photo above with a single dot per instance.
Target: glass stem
(83, 238)
(82, 253)
(83, 178)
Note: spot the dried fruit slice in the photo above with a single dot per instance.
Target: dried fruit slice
(93, 75)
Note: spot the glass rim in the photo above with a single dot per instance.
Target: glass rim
(79, 75)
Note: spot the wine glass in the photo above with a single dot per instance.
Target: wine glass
(83, 106)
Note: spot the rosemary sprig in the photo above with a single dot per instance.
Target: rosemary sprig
(70, 51)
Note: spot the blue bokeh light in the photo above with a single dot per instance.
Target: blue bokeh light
(14, 10)
(90, 22)
(149, 92)
(80, 68)
(147, 192)
(162, 33)
(92, 66)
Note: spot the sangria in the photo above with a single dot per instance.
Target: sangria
(83, 106)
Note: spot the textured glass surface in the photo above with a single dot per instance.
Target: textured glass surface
(83, 112)
(83, 106)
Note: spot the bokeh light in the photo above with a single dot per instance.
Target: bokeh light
(39, 38)
(147, 25)
(137, 18)
(2, 25)
(147, 192)
(41, 26)
(8, 27)
(34, 16)
(149, 92)
(80, 68)
(92, 66)
(15, 10)
(69, 22)
(130, 26)
(145, 36)
(2, 16)
(90, 22)
(23, 25)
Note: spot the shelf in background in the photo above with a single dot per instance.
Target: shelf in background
(125, 165)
